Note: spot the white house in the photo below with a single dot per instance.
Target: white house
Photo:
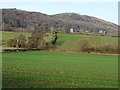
(86, 31)
(100, 31)
(71, 30)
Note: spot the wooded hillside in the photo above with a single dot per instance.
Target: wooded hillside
(20, 20)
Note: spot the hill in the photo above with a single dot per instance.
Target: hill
(21, 20)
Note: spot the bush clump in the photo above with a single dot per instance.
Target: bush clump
(86, 45)
(18, 42)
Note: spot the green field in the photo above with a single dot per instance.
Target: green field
(71, 41)
(68, 42)
(10, 35)
(45, 69)
(52, 69)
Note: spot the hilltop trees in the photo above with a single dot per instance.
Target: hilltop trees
(16, 20)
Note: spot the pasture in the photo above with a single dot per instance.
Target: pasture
(68, 42)
(71, 42)
(53, 69)
(44, 69)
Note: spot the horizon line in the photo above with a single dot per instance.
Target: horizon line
(63, 13)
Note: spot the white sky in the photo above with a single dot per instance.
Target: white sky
(59, 0)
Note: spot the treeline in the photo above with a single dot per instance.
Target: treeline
(20, 20)
(35, 41)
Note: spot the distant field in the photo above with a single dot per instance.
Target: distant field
(10, 35)
(67, 41)
(45, 69)
(70, 41)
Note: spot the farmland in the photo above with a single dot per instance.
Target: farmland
(60, 69)
(71, 41)
(60, 50)
(43, 69)
(10, 35)
(68, 42)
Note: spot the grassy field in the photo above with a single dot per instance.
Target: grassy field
(10, 35)
(66, 41)
(45, 69)
(71, 41)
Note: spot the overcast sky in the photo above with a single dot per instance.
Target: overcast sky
(107, 10)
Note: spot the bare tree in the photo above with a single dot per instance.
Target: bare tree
(36, 40)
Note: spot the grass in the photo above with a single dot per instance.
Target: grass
(66, 41)
(10, 35)
(71, 41)
(43, 69)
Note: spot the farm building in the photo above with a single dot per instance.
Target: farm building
(71, 30)
(102, 32)
(74, 30)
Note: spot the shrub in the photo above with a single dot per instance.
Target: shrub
(18, 42)
(11, 42)
(108, 48)
(21, 41)
(86, 45)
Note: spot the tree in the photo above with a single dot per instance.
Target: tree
(36, 40)
(21, 41)
(55, 38)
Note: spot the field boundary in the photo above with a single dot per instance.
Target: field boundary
(19, 49)
(75, 51)
(34, 49)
